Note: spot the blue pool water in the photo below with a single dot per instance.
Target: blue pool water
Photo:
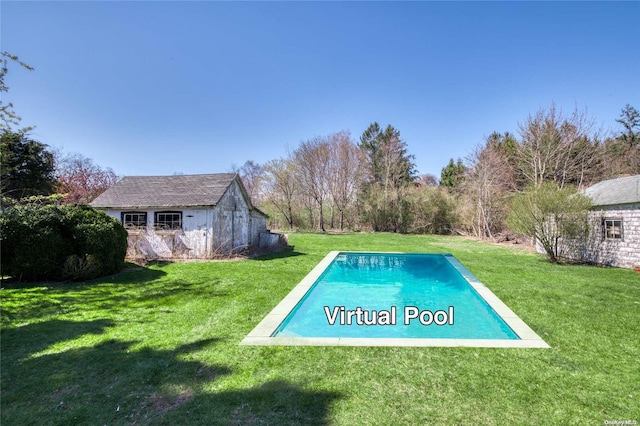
(388, 284)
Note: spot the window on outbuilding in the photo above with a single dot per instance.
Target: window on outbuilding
(134, 220)
(168, 220)
(612, 229)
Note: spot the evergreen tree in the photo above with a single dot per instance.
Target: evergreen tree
(388, 170)
(452, 174)
(630, 120)
(26, 167)
(388, 162)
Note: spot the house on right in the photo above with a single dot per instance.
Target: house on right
(615, 223)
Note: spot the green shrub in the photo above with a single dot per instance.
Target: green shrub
(433, 210)
(550, 215)
(96, 233)
(80, 268)
(40, 242)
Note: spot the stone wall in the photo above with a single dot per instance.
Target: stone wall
(623, 253)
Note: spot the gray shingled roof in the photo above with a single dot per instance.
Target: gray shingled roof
(165, 191)
(624, 190)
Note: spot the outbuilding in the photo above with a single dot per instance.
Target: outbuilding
(184, 216)
(614, 232)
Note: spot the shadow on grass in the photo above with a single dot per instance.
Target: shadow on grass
(290, 252)
(275, 402)
(116, 382)
(21, 342)
(138, 288)
(130, 272)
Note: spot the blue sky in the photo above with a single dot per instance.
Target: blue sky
(151, 88)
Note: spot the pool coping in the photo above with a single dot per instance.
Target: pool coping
(261, 335)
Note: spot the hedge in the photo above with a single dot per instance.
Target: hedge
(60, 242)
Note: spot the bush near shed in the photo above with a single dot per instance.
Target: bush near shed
(48, 242)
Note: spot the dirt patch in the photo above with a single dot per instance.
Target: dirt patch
(163, 403)
(242, 415)
(517, 242)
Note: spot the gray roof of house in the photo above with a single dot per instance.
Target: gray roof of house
(624, 190)
(165, 191)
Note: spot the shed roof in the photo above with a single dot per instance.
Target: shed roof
(624, 190)
(166, 191)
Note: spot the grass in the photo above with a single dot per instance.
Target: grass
(159, 345)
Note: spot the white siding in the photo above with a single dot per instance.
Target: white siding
(205, 232)
(192, 241)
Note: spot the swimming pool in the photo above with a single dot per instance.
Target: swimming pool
(392, 299)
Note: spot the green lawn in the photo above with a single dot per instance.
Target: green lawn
(160, 345)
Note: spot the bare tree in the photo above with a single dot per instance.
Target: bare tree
(488, 181)
(313, 159)
(557, 148)
(252, 175)
(344, 172)
(281, 187)
(7, 114)
(427, 180)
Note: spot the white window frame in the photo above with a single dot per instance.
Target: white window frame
(140, 221)
(613, 229)
(163, 223)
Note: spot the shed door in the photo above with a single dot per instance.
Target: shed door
(240, 230)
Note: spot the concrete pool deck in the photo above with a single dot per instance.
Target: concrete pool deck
(262, 334)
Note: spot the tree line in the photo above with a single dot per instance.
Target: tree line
(336, 182)
(370, 184)
(567, 151)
